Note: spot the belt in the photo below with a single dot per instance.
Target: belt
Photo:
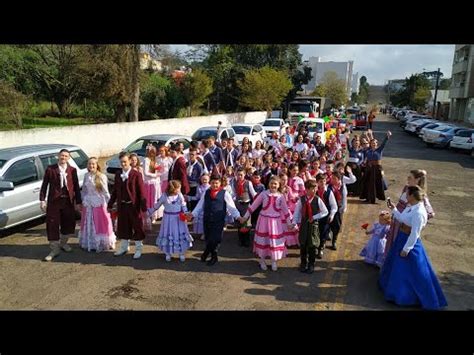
(240, 201)
(64, 196)
(375, 162)
(126, 202)
(405, 229)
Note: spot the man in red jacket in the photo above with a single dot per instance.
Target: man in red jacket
(129, 193)
(178, 169)
(63, 194)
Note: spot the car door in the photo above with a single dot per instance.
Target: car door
(79, 159)
(21, 203)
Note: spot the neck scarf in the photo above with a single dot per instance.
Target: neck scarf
(214, 192)
(62, 175)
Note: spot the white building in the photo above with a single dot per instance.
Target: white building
(319, 69)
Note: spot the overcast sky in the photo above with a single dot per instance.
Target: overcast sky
(380, 63)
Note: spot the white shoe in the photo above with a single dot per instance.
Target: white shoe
(263, 266)
(274, 266)
(182, 258)
(168, 257)
(203, 237)
(55, 250)
(124, 248)
(138, 249)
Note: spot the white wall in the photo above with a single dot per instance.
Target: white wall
(108, 139)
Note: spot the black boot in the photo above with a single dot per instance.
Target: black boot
(304, 260)
(213, 259)
(310, 269)
(334, 245)
(320, 253)
(205, 255)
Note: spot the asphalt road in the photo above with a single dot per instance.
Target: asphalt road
(342, 281)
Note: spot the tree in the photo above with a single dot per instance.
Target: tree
(196, 87)
(445, 84)
(333, 87)
(354, 98)
(135, 81)
(320, 90)
(55, 69)
(13, 103)
(363, 89)
(264, 88)
(421, 97)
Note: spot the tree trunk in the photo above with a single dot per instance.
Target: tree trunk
(120, 112)
(64, 106)
(135, 99)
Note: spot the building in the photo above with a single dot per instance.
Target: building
(461, 91)
(442, 103)
(355, 83)
(319, 69)
(396, 85)
(147, 62)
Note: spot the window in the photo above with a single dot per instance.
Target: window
(242, 129)
(224, 134)
(204, 134)
(2, 163)
(185, 143)
(231, 133)
(135, 146)
(272, 123)
(257, 129)
(22, 172)
(47, 160)
(464, 133)
(80, 158)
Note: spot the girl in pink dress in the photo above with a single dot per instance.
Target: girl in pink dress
(164, 163)
(296, 187)
(290, 235)
(152, 183)
(269, 239)
(96, 225)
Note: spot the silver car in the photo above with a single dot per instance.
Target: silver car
(21, 175)
(138, 146)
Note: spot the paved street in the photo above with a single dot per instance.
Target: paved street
(341, 281)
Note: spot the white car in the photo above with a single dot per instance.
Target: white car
(274, 125)
(254, 132)
(414, 124)
(313, 125)
(463, 140)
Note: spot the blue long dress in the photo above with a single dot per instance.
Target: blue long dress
(411, 280)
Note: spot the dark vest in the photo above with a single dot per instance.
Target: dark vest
(214, 210)
(314, 207)
(246, 195)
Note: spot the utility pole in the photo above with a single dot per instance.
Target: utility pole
(435, 105)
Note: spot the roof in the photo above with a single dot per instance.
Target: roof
(163, 137)
(13, 152)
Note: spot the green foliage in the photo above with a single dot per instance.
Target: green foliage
(333, 88)
(196, 88)
(13, 104)
(264, 88)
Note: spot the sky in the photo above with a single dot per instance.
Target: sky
(380, 63)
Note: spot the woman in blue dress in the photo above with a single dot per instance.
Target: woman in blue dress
(356, 157)
(407, 277)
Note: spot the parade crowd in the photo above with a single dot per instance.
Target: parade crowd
(289, 192)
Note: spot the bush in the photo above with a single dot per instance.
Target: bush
(13, 104)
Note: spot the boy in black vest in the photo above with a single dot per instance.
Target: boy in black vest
(308, 211)
(215, 203)
(327, 196)
(244, 193)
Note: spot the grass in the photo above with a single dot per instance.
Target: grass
(45, 122)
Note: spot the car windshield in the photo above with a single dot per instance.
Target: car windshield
(204, 133)
(300, 108)
(442, 128)
(2, 163)
(139, 146)
(241, 129)
(312, 127)
(271, 123)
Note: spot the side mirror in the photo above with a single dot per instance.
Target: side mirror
(6, 186)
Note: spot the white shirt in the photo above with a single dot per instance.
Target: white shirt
(231, 209)
(258, 153)
(124, 174)
(62, 175)
(323, 211)
(299, 147)
(347, 180)
(332, 204)
(416, 217)
(146, 170)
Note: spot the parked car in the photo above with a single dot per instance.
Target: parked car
(313, 125)
(410, 117)
(21, 175)
(360, 121)
(206, 132)
(440, 136)
(428, 125)
(254, 132)
(412, 125)
(463, 140)
(274, 125)
(138, 146)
